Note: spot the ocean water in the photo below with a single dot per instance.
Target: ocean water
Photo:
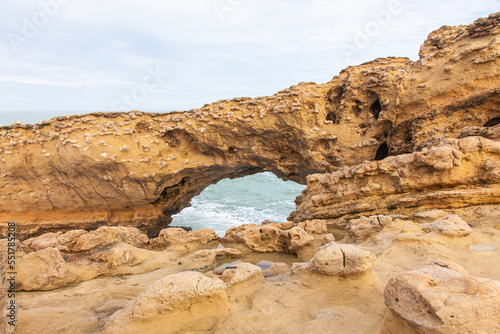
(246, 200)
(28, 117)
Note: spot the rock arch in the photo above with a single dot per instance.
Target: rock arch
(137, 169)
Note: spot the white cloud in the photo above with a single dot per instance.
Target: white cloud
(94, 51)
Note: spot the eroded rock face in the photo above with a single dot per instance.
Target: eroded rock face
(187, 300)
(436, 299)
(85, 171)
(268, 238)
(457, 173)
(338, 259)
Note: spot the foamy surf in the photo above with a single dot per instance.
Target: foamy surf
(247, 200)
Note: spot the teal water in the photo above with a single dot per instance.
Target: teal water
(250, 199)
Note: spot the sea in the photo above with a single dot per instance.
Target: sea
(246, 200)
(229, 203)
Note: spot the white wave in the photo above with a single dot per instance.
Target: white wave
(247, 200)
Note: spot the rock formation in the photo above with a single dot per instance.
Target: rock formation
(365, 227)
(137, 169)
(55, 260)
(451, 225)
(206, 258)
(338, 259)
(436, 299)
(457, 173)
(184, 301)
(240, 273)
(400, 158)
(269, 237)
(177, 236)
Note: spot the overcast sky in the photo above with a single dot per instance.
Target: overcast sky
(73, 56)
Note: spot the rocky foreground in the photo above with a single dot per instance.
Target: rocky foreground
(398, 230)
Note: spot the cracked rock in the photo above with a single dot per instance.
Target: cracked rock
(338, 259)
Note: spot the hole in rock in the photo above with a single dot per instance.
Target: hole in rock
(171, 138)
(331, 117)
(492, 122)
(358, 108)
(376, 108)
(382, 152)
(246, 200)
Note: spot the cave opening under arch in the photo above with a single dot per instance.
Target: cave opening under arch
(233, 202)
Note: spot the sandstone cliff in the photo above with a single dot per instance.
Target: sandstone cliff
(137, 169)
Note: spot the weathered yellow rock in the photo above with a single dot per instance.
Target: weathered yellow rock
(277, 269)
(365, 227)
(458, 173)
(436, 299)
(206, 257)
(178, 236)
(451, 225)
(107, 235)
(395, 137)
(177, 303)
(268, 238)
(338, 259)
(45, 270)
(137, 169)
(239, 273)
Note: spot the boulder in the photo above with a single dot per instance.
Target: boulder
(298, 238)
(206, 257)
(327, 238)
(437, 299)
(429, 216)
(268, 238)
(104, 236)
(264, 238)
(451, 225)
(315, 226)
(44, 241)
(119, 256)
(366, 227)
(45, 270)
(277, 269)
(70, 236)
(338, 259)
(187, 301)
(282, 226)
(178, 236)
(239, 273)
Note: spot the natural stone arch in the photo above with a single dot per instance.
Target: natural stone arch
(137, 169)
